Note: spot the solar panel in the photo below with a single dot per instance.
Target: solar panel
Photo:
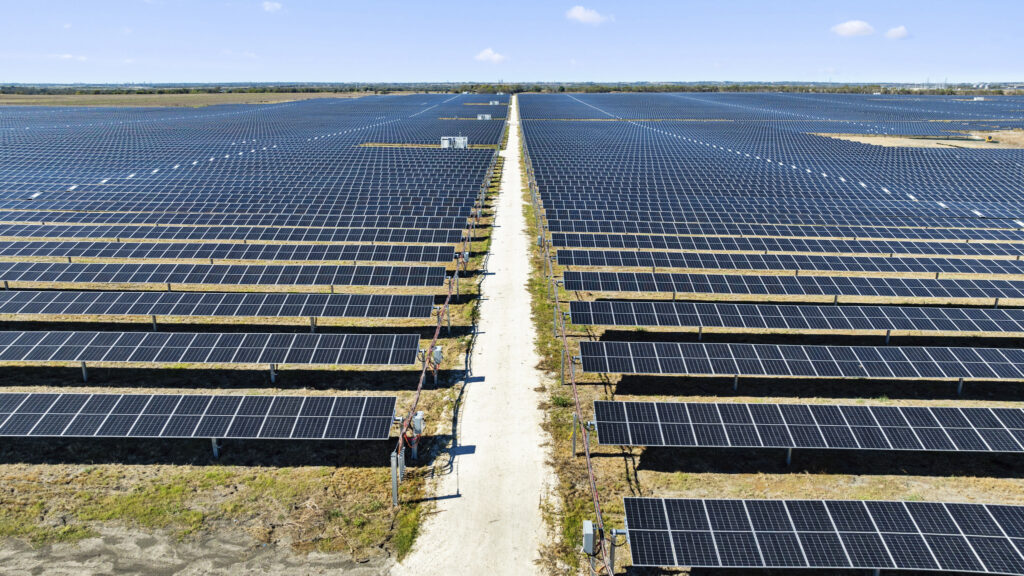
(209, 348)
(223, 304)
(826, 534)
(760, 317)
(221, 274)
(817, 426)
(896, 362)
(209, 251)
(196, 416)
(860, 288)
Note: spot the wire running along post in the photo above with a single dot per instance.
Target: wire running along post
(600, 548)
(428, 364)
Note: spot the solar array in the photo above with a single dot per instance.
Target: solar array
(732, 425)
(758, 317)
(743, 197)
(826, 534)
(197, 416)
(295, 197)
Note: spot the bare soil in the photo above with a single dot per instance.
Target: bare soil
(1001, 139)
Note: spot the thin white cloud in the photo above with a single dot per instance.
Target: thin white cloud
(897, 33)
(235, 54)
(271, 6)
(67, 26)
(489, 55)
(853, 28)
(587, 15)
(79, 58)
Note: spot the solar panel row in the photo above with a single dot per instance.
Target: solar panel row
(221, 274)
(209, 348)
(902, 362)
(756, 317)
(792, 286)
(234, 233)
(778, 262)
(215, 304)
(826, 534)
(824, 246)
(179, 251)
(197, 416)
(735, 425)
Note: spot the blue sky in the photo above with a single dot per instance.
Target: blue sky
(528, 40)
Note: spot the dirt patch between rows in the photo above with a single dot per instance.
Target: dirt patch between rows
(1000, 139)
(128, 551)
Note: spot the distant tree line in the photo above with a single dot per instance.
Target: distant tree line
(443, 87)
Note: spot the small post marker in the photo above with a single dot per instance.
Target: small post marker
(394, 478)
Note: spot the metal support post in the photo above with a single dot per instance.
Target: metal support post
(85, 373)
(960, 387)
(312, 324)
(888, 333)
(215, 444)
(835, 301)
(562, 370)
(736, 382)
(273, 373)
(5, 285)
(448, 315)
(168, 286)
(154, 322)
(611, 554)
(789, 456)
(997, 303)
(458, 292)
(394, 479)
(554, 320)
(700, 333)
(401, 465)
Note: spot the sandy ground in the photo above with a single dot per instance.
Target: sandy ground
(488, 517)
(130, 552)
(1002, 139)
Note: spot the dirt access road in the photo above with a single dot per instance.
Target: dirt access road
(488, 514)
